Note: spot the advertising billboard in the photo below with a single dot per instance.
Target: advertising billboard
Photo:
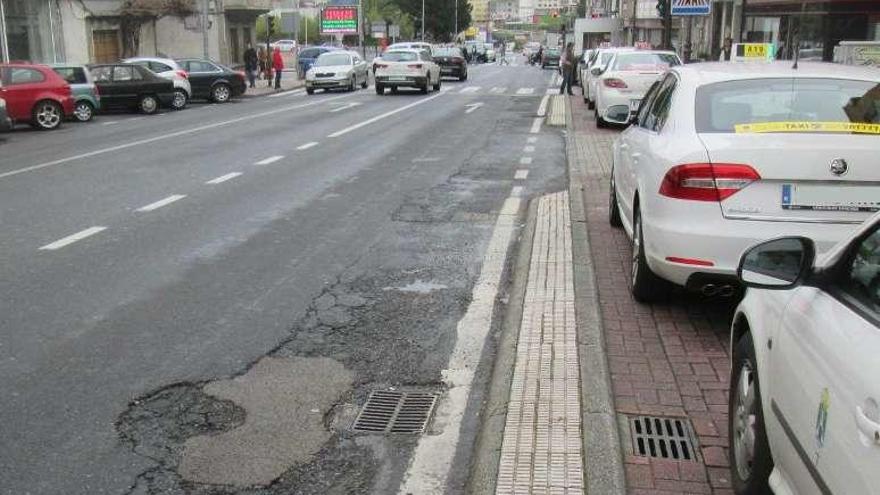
(339, 19)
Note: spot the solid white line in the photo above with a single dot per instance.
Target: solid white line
(532, 139)
(271, 159)
(224, 178)
(162, 202)
(60, 243)
(307, 146)
(536, 125)
(432, 459)
(521, 174)
(112, 122)
(525, 91)
(345, 107)
(516, 191)
(526, 160)
(163, 137)
(289, 93)
(542, 108)
(382, 116)
(528, 149)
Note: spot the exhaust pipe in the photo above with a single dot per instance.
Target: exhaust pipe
(709, 290)
(726, 291)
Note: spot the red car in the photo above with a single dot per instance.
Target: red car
(35, 94)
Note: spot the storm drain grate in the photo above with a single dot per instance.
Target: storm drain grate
(664, 438)
(391, 411)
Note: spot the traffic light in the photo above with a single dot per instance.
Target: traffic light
(661, 8)
(271, 22)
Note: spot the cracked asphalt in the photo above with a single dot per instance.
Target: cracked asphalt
(224, 343)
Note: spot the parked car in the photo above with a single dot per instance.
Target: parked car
(5, 121)
(86, 99)
(803, 406)
(171, 70)
(550, 58)
(285, 45)
(452, 62)
(628, 77)
(590, 76)
(212, 81)
(407, 68)
(132, 86)
(582, 63)
(35, 94)
(337, 70)
(724, 155)
(307, 57)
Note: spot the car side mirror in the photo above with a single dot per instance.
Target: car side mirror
(618, 114)
(777, 264)
(596, 71)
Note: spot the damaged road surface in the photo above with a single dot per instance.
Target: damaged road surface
(226, 340)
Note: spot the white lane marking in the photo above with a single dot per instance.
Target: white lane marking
(271, 159)
(307, 146)
(516, 191)
(552, 91)
(542, 108)
(112, 122)
(536, 125)
(532, 139)
(288, 93)
(528, 149)
(470, 89)
(521, 174)
(60, 243)
(472, 107)
(162, 202)
(498, 89)
(345, 107)
(163, 137)
(526, 160)
(382, 116)
(426, 159)
(525, 91)
(224, 178)
(432, 459)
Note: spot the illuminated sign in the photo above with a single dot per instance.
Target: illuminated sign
(339, 19)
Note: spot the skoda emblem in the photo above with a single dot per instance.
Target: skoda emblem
(839, 166)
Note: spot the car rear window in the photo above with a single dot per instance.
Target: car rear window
(73, 75)
(447, 52)
(799, 105)
(644, 61)
(328, 59)
(400, 57)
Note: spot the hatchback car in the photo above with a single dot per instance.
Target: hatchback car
(212, 81)
(131, 86)
(86, 99)
(35, 94)
(628, 77)
(804, 405)
(724, 155)
(407, 68)
(452, 62)
(337, 70)
(171, 70)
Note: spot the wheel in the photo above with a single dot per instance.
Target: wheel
(437, 86)
(148, 104)
(600, 122)
(83, 111)
(613, 208)
(463, 77)
(179, 100)
(366, 82)
(310, 91)
(590, 104)
(47, 115)
(380, 90)
(394, 90)
(221, 93)
(750, 459)
(427, 86)
(351, 83)
(644, 284)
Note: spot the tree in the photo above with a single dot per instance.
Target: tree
(439, 16)
(134, 13)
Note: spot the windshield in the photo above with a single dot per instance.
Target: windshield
(644, 61)
(333, 59)
(789, 105)
(400, 57)
(553, 52)
(447, 52)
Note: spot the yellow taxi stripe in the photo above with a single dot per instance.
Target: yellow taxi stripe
(859, 128)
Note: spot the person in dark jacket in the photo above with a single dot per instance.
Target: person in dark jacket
(567, 67)
(251, 64)
(278, 65)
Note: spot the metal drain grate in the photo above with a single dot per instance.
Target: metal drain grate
(664, 438)
(391, 411)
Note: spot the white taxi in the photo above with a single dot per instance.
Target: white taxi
(804, 408)
(628, 77)
(407, 68)
(721, 156)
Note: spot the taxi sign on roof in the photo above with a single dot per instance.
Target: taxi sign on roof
(753, 51)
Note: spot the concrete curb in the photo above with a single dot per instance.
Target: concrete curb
(603, 459)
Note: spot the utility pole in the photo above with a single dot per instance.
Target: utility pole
(455, 37)
(423, 20)
(667, 25)
(361, 28)
(4, 43)
(205, 28)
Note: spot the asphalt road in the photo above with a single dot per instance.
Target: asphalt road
(203, 240)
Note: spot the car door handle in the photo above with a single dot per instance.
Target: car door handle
(623, 145)
(868, 427)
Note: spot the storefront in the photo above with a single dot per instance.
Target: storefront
(29, 30)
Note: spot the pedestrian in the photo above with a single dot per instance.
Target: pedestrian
(262, 60)
(726, 48)
(503, 54)
(566, 63)
(539, 55)
(251, 62)
(278, 66)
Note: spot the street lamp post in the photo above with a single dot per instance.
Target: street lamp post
(455, 36)
(423, 20)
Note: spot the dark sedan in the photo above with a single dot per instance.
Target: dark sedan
(130, 86)
(452, 62)
(212, 81)
(550, 58)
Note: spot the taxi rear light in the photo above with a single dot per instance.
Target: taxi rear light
(613, 82)
(182, 73)
(381, 66)
(707, 181)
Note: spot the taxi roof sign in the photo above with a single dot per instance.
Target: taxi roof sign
(753, 52)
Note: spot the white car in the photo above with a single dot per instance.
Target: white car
(804, 406)
(412, 45)
(724, 155)
(407, 68)
(599, 61)
(628, 77)
(337, 70)
(582, 68)
(285, 45)
(168, 69)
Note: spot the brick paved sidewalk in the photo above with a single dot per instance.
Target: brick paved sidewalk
(668, 359)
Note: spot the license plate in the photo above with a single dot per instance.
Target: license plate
(830, 197)
(634, 105)
(397, 78)
(446, 71)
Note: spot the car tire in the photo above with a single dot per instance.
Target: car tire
(310, 91)
(426, 88)
(439, 83)
(366, 82)
(148, 104)
(47, 115)
(645, 286)
(179, 100)
(463, 77)
(380, 90)
(221, 93)
(394, 90)
(613, 207)
(83, 111)
(590, 104)
(352, 85)
(746, 417)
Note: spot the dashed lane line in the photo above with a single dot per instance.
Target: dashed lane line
(542, 108)
(536, 125)
(516, 191)
(60, 243)
(224, 178)
(271, 159)
(532, 139)
(307, 146)
(470, 89)
(521, 174)
(526, 160)
(162, 202)
(528, 149)
(525, 91)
